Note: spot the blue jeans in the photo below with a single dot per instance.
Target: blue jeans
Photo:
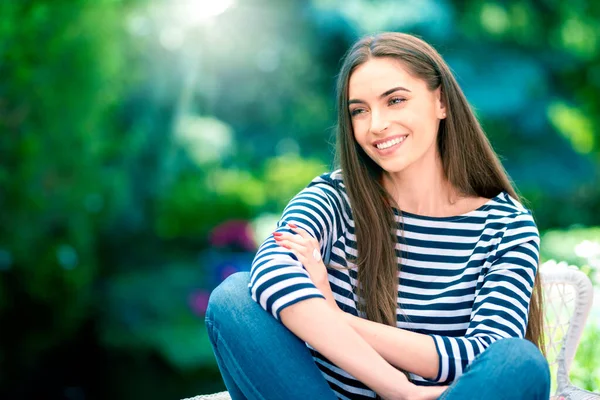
(260, 359)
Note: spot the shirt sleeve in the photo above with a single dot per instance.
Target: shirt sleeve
(501, 305)
(277, 278)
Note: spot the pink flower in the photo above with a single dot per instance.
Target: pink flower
(198, 302)
(235, 233)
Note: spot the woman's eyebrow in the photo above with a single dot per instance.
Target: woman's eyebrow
(392, 90)
(386, 93)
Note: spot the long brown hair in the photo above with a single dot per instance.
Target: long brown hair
(470, 165)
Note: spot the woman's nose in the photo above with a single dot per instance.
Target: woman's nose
(378, 123)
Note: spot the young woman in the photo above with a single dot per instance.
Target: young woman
(410, 273)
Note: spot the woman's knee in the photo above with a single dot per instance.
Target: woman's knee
(523, 360)
(229, 299)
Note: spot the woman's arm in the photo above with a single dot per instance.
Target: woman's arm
(406, 350)
(321, 324)
(499, 310)
(326, 330)
(282, 285)
(277, 278)
(409, 351)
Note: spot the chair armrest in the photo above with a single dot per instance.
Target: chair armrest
(574, 393)
(215, 396)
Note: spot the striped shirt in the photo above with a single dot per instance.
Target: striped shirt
(464, 280)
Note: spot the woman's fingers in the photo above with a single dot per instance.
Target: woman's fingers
(303, 246)
(297, 250)
(300, 231)
(288, 236)
(296, 242)
(301, 243)
(280, 236)
(288, 244)
(305, 235)
(292, 242)
(298, 246)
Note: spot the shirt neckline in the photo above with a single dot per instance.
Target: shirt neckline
(483, 207)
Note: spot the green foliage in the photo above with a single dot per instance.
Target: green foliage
(575, 246)
(196, 202)
(285, 176)
(63, 75)
(150, 311)
(188, 209)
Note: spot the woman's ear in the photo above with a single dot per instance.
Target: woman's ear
(440, 104)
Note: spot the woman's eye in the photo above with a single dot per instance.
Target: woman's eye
(356, 111)
(396, 100)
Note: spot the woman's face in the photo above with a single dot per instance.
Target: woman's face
(395, 117)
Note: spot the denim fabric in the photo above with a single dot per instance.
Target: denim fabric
(259, 358)
(507, 369)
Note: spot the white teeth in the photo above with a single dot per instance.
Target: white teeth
(390, 143)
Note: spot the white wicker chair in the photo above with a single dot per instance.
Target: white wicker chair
(568, 297)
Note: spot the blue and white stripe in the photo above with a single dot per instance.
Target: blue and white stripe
(464, 280)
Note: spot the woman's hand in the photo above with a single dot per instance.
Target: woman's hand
(307, 250)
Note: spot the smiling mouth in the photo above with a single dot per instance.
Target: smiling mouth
(390, 143)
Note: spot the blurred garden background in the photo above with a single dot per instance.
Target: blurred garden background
(148, 146)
